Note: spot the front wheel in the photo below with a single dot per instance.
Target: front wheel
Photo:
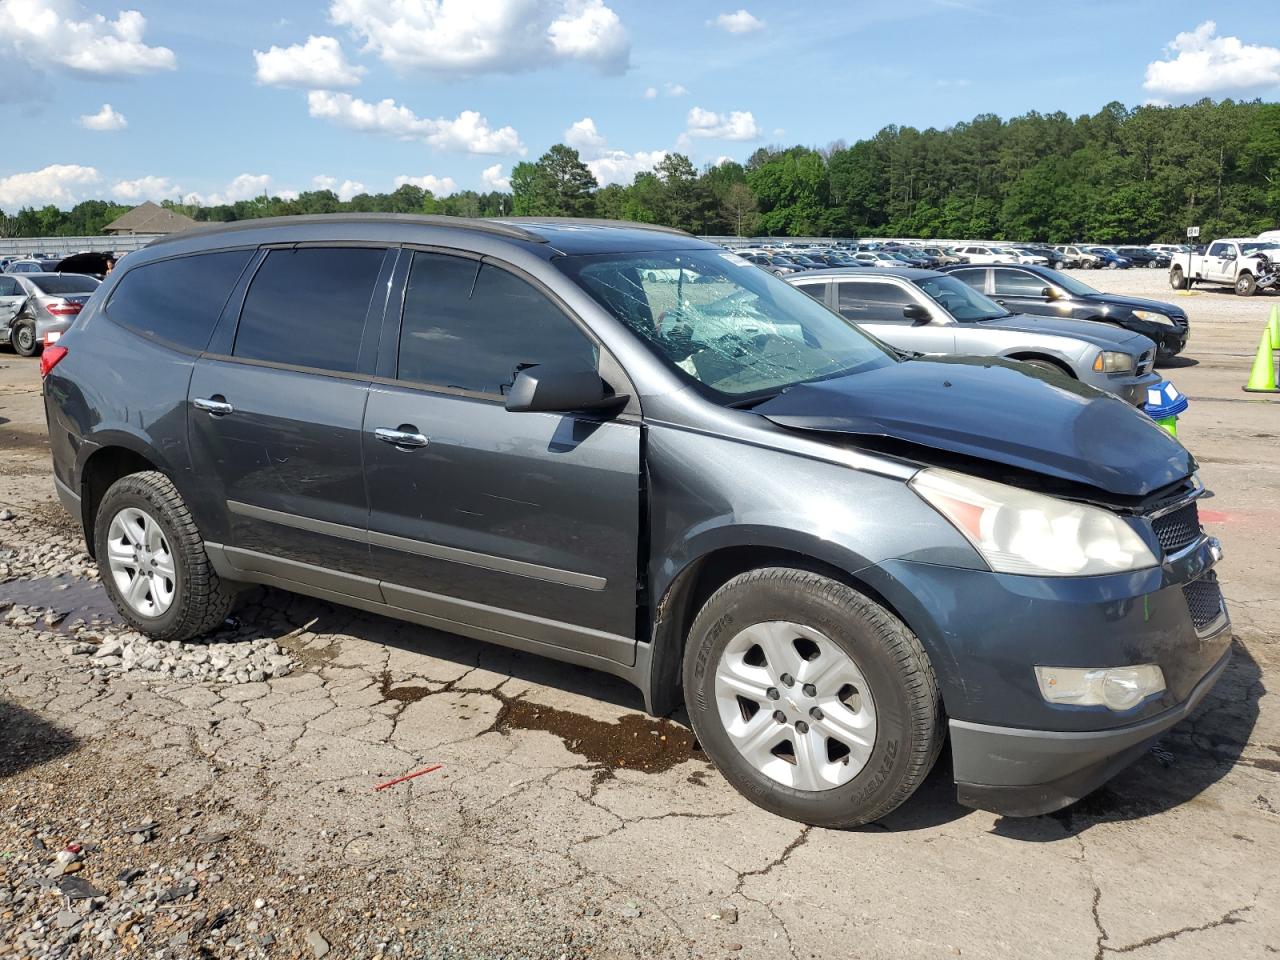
(1152, 265)
(1246, 285)
(24, 339)
(1177, 279)
(153, 562)
(814, 701)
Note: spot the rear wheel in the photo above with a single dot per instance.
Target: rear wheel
(153, 561)
(1152, 265)
(814, 701)
(1246, 285)
(1177, 279)
(23, 338)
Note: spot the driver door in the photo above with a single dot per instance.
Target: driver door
(1219, 262)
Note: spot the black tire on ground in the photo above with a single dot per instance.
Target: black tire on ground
(201, 601)
(909, 721)
(1152, 265)
(1246, 285)
(1112, 265)
(1177, 279)
(23, 338)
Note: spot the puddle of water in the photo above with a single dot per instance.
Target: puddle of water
(83, 601)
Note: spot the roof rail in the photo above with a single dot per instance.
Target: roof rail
(496, 227)
(596, 222)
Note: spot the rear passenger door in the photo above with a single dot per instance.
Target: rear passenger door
(12, 297)
(522, 524)
(878, 305)
(276, 409)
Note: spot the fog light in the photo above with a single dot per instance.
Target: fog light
(1117, 688)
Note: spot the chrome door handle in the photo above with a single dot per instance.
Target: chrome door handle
(400, 438)
(216, 407)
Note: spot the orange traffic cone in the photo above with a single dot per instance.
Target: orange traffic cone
(1262, 378)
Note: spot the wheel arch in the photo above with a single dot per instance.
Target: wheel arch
(116, 456)
(1046, 357)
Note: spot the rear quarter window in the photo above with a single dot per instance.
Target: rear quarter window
(177, 301)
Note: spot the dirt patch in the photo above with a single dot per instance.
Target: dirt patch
(20, 441)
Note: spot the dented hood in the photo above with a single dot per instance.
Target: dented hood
(995, 410)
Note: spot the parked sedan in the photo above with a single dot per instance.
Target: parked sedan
(926, 311)
(983, 253)
(1019, 255)
(878, 258)
(32, 266)
(46, 303)
(775, 265)
(1109, 259)
(1143, 257)
(1079, 257)
(1046, 292)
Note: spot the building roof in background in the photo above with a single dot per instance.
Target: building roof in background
(149, 218)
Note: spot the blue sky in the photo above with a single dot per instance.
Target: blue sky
(220, 101)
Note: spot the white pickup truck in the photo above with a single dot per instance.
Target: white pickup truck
(1248, 265)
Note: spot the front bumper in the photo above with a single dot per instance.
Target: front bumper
(1131, 389)
(1025, 773)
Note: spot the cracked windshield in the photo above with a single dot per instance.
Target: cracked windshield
(723, 323)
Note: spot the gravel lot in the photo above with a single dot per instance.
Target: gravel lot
(218, 799)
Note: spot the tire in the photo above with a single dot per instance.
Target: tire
(779, 274)
(200, 601)
(893, 683)
(1246, 285)
(1112, 265)
(23, 338)
(1177, 279)
(1152, 265)
(1049, 366)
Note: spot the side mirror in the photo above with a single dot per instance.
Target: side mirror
(916, 313)
(1049, 293)
(546, 388)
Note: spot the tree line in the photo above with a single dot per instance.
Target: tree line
(1137, 175)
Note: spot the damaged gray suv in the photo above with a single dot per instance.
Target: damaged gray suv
(624, 448)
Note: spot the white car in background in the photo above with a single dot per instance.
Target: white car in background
(983, 253)
(1022, 256)
(874, 258)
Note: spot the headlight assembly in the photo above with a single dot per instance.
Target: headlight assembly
(1152, 317)
(1018, 531)
(1111, 361)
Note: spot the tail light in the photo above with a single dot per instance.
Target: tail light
(61, 308)
(50, 357)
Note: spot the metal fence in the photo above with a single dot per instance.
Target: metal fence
(65, 246)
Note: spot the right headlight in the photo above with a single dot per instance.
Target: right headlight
(1112, 361)
(1154, 317)
(1018, 531)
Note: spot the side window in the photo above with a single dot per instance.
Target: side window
(816, 290)
(873, 302)
(9, 287)
(974, 278)
(1218, 250)
(1018, 283)
(307, 307)
(179, 300)
(474, 327)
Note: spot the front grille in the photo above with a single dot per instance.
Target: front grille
(1204, 599)
(1178, 529)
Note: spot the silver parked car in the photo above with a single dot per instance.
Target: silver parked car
(34, 305)
(924, 311)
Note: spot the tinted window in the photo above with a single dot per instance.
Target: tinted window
(9, 287)
(816, 290)
(873, 302)
(974, 278)
(307, 307)
(474, 327)
(177, 300)
(64, 284)
(1018, 283)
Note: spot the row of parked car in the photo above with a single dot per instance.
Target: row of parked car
(40, 295)
(786, 260)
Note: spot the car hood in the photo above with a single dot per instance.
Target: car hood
(996, 410)
(1086, 330)
(1136, 303)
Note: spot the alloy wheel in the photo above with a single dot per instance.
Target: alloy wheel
(141, 563)
(795, 705)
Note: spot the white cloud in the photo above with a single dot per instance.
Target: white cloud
(493, 178)
(61, 33)
(62, 184)
(739, 22)
(618, 166)
(468, 132)
(345, 190)
(438, 186)
(317, 64)
(490, 36)
(736, 125)
(104, 120)
(583, 135)
(1203, 63)
(247, 186)
(145, 188)
(650, 93)
(676, 90)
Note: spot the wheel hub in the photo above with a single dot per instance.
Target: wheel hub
(141, 563)
(795, 705)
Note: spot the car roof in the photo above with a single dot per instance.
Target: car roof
(905, 273)
(555, 235)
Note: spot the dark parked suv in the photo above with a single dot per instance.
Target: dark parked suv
(721, 491)
(1050, 293)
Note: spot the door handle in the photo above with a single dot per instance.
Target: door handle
(407, 437)
(214, 406)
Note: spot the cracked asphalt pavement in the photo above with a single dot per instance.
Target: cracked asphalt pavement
(227, 819)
